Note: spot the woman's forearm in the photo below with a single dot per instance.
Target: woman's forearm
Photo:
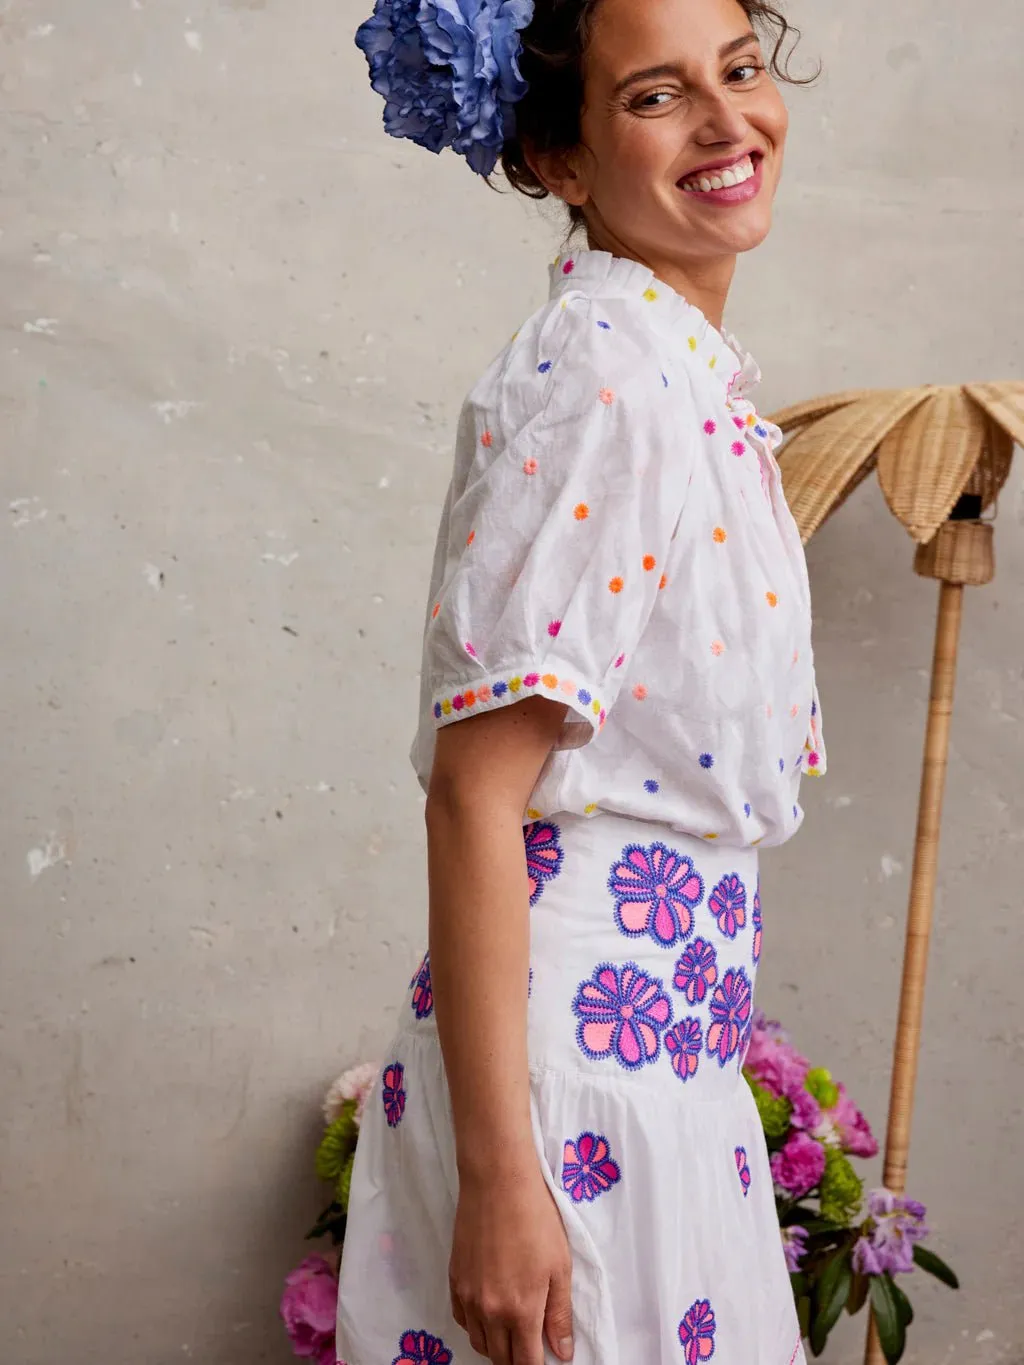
(479, 961)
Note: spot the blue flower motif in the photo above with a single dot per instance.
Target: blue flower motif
(449, 72)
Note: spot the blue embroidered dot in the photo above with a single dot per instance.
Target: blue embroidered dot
(499, 689)
(794, 812)
(746, 810)
(814, 708)
(760, 431)
(664, 380)
(437, 710)
(651, 786)
(543, 367)
(584, 696)
(782, 765)
(707, 761)
(605, 325)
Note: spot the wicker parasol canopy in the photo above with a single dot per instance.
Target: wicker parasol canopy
(932, 446)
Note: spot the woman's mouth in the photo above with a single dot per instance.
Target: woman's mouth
(734, 183)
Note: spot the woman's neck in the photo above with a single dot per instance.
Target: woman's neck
(704, 283)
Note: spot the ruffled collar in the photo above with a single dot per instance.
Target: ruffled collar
(600, 274)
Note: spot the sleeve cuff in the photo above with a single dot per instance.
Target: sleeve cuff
(454, 702)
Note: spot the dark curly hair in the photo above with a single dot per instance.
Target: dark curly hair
(548, 118)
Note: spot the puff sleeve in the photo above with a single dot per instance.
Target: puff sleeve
(560, 533)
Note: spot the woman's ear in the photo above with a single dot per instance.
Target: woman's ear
(561, 174)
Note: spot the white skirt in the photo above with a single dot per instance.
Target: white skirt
(644, 950)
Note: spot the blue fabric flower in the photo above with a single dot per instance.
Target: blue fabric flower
(449, 72)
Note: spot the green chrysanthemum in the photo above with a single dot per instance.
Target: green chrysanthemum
(774, 1112)
(337, 1144)
(842, 1190)
(821, 1085)
(345, 1182)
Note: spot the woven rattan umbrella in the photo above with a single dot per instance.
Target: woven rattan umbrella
(942, 455)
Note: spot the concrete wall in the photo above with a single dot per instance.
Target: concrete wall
(237, 322)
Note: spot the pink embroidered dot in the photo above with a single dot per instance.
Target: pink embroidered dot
(717, 648)
(530, 465)
(769, 710)
(813, 760)
(457, 702)
(532, 679)
(470, 650)
(640, 692)
(620, 661)
(487, 439)
(794, 710)
(710, 427)
(554, 627)
(607, 397)
(738, 448)
(483, 693)
(739, 422)
(603, 716)
(796, 656)
(568, 687)
(569, 267)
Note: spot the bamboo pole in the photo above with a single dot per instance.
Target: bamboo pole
(922, 904)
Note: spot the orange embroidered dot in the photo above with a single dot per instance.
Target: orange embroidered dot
(650, 563)
(664, 582)
(469, 697)
(550, 680)
(640, 692)
(607, 397)
(718, 535)
(771, 599)
(581, 511)
(616, 585)
(530, 466)
(437, 608)
(470, 538)
(487, 439)
(717, 648)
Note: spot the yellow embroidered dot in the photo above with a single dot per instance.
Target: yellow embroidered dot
(595, 706)
(514, 684)
(719, 536)
(446, 707)
(650, 295)
(710, 836)
(590, 808)
(693, 343)
(534, 813)
(581, 511)
(650, 563)
(712, 362)
(616, 584)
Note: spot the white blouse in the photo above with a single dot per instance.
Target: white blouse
(616, 538)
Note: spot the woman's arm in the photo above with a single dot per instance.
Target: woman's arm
(510, 1269)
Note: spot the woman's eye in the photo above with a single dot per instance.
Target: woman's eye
(655, 100)
(752, 69)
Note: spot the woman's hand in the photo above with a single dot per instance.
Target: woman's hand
(511, 1272)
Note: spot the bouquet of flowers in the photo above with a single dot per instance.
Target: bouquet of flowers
(842, 1249)
(310, 1299)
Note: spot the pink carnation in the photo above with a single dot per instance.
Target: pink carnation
(806, 1110)
(308, 1308)
(854, 1130)
(776, 1066)
(799, 1166)
(354, 1084)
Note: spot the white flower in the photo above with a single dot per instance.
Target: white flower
(354, 1084)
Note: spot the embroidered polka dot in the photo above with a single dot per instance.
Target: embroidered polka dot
(487, 440)
(641, 835)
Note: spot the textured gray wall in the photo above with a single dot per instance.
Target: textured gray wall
(236, 326)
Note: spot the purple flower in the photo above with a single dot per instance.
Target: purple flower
(728, 904)
(730, 1014)
(544, 855)
(448, 71)
(799, 1166)
(854, 1131)
(587, 1168)
(894, 1225)
(773, 1061)
(623, 1013)
(794, 1244)
(656, 890)
(696, 970)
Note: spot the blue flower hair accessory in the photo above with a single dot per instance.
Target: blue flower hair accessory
(449, 72)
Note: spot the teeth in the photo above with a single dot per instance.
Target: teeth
(734, 175)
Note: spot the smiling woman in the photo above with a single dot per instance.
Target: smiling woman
(618, 704)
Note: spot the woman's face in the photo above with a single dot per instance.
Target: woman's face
(683, 132)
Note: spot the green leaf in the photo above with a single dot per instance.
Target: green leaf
(833, 1291)
(891, 1331)
(803, 1313)
(934, 1265)
(858, 1295)
(903, 1304)
(331, 1214)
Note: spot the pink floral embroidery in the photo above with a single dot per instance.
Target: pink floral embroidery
(544, 856)
(730, 1015)
(656, 890)
(587, 1168)
(738, 448)
(728, 904)
(743, 1169)
(420, 1348)
(553, 628)
(683, 1044)
(393, 1093)
(696, 970)
(423, 991)
(697, 1332)
(622, 1013)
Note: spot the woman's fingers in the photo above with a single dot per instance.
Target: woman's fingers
(527, 1344)
(558, 1315)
